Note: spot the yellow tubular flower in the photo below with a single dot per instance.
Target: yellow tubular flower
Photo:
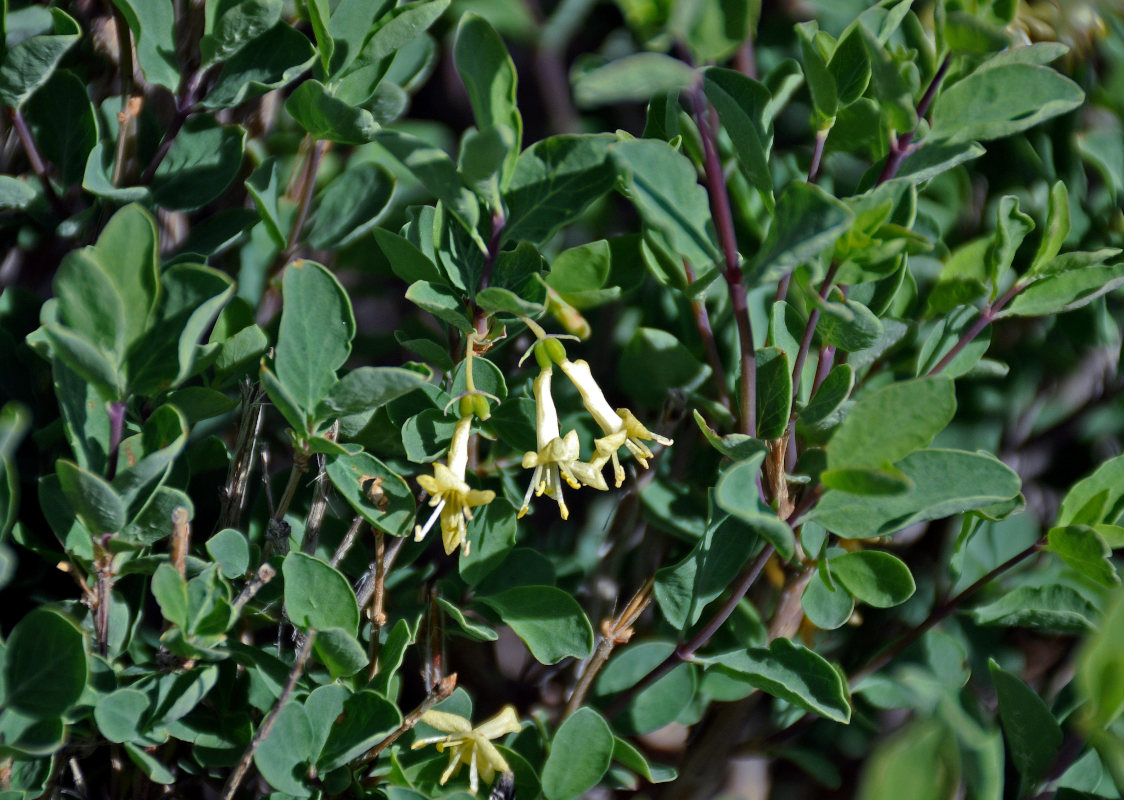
(557, 457)
(620, 426)
(468, 745)
(450, 496)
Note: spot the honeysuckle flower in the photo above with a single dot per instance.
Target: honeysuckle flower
(556, 459)
(450, 496)
(469, 745)
(612, 422)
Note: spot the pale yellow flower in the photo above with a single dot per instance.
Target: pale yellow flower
(450, 496)
(612, 422)
(556, 459)
(469, 745)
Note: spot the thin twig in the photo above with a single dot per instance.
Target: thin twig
(903, 147)
(317, 509)
(375, 612)
(710, 346)
(266, 726)
(613, 632)
(181, 539)
(264, 575)
(724, 222)
(233, 493)
(307, 189)
(686, 651)
(38, 165)
(348, 541)
(986, 317)
(938, 614)
(439, 692)
(130, 106)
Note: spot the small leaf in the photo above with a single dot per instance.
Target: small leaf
(1065, 291)
(793, 673)
(44, 667)
(774, 393)
(849, 66)
(657, 705)
(440, 301)
(1033, 735)
(270, 61)
(737, 494)
(1056, 608)
(317, 326)
(29, 64)
(366, 719)
(580, 754)
(120, 715)
(203, 161)
(99, 506)
(489, 76)
(632, 79)
(1082, 548)
(317, 595)
(340, 652)
(808, 221)
(742, 104)
(1001, 101)
(888, 424)
(230, 548)
(1099, 666)
(830, 396)
(283, 754)
(945, 482)
(878, 579)
(495, 300)
(825, 607)
(548, 620)
(325, 116)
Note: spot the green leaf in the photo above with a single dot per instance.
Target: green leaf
(850, 326)
(283, 755)
(624, 753)
(548, 620)
(1099, 666)
(28, 65)
(438, 174)
(945, 482)
(153, 769)
(367, 388)
(1011, 227)
(834, 390)
(44, 668)
(866, 480)
(808, 221)
(632, 79)
(923, 756)
(684, 589)
(1002, 101)
(153, 25)
(231, 550)
(945, 335)
(350, 205)
(108, 293)
(554, 182)
(340, 652)
(120, 715)
(821, 83)
(366, 719)
(1082, 548)
(737, 494)
(894, 421)
(825, 606)
(463, 626)
(483, 63)
(793, 673)
(398, 28)
(16, 194)
(663, 185)
(679, 368)
(203, 161)
(736, 446)
(774, 393)
(491, 539)
(1107, 483)
(440, 301)
(849, 66)
(64, 126)
(99, 506)
(742, 105)
(657, 705)
(170, 590)
(426, 435)
(270, 61)
(930, 160)
(1033, 735)
(151, 454)
(231, 25)
(1056, 608)
(325, 116)
(1065, 291)
(876, 578)
(264, 187)
(407, 261)
(1056, 230)
(317, 326)
(495, 300)
(317, 595)
(580, 754)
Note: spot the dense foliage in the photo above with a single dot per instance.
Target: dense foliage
(432, 398)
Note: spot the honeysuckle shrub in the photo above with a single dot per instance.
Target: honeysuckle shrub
(436, 399)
